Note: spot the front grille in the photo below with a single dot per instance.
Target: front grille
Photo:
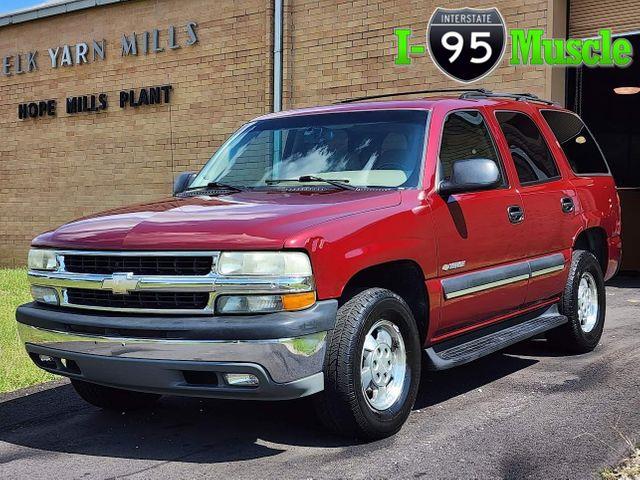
(141, 300)
(139, 265)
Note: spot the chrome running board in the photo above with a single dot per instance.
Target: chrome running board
(485, 341)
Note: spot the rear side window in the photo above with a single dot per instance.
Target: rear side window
(465, 135)
(531, 155)
(576, 141)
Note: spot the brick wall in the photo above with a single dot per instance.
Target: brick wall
(340, 49)
(53, 170)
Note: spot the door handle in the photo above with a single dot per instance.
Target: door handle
(515, 214)
(567, 205)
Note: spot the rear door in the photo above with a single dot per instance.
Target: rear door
(595, 188)
(549, 200)
(479, 247)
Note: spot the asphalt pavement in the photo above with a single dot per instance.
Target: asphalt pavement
(527, 412)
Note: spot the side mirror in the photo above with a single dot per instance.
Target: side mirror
(471, 175)
(182, 181)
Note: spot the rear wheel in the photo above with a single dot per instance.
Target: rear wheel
(111, 398)
(372, 367)
(584, 304)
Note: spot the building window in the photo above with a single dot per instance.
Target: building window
(531, 155)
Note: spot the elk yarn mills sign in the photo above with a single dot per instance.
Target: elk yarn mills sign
(134, 44)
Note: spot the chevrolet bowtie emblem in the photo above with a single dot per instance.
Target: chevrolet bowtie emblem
(120, 283)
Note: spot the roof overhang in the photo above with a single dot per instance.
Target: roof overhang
(51, 9)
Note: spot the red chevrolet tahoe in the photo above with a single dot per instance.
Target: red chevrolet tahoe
(332, 252)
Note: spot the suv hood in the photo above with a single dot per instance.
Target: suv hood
(245, 220)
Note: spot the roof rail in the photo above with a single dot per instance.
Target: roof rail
(478, 91)
(467, 94)
(524, 97)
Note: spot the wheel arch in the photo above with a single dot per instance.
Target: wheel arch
(594, 240)
(404, 278)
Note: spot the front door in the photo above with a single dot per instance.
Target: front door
(481, 260)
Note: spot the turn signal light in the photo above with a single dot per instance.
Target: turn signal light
(298, 301)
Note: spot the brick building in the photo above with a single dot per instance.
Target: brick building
(218, 59)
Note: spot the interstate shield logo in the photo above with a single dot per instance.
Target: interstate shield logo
(467, 43)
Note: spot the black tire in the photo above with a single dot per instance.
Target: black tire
(110, 398)
(342, 405)
(571, 336)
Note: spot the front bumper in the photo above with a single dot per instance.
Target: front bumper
(183, 355)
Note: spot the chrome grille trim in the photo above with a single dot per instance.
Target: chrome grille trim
(138, 253)
(139, 300)
(213, 283)
(60, 254)
(139, 264)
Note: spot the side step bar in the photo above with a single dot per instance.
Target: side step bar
(474, 345)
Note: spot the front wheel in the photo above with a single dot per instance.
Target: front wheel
(372, 367)
(584, 304)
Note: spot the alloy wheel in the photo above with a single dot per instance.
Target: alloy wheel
(383, 365)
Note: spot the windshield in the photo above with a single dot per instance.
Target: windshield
(363, 149)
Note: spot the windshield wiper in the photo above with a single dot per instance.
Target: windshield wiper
(215, 185)
(340, 183)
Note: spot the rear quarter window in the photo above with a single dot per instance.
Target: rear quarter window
(577, 143)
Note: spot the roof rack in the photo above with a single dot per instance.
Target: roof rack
(467, 94)
(479, 91)
(523, 97)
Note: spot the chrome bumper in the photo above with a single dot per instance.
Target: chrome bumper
(284, 350)
(285, 359)
(286, 368)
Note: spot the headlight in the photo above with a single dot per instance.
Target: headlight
(42, 259)
(264, 263)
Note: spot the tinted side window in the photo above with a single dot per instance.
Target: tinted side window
(578, 145)
(531, 155)
(465, 135)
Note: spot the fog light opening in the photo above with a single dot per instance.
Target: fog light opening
(241, 380)
(44, 361)
(201, 377)
(69, 365)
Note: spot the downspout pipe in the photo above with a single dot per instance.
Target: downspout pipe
(277, 55)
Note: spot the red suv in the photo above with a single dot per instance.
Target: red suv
(326, 251)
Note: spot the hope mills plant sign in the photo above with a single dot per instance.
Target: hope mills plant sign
(97, 102)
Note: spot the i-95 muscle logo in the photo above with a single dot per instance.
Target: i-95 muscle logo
(466, 44)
